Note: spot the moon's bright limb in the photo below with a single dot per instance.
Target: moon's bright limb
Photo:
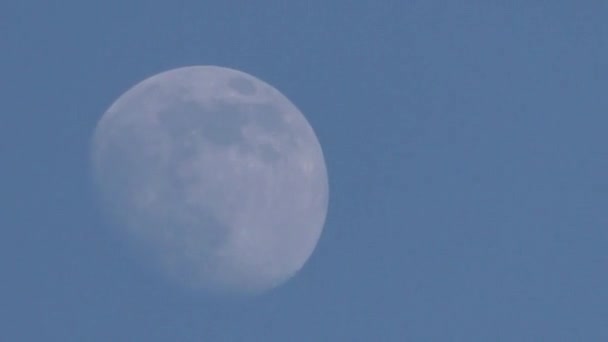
(216, 175)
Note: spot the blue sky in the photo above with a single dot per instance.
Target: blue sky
(465, 143)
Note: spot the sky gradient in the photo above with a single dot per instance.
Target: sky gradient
(465, 143)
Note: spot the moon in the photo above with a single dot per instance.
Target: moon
(214, 176)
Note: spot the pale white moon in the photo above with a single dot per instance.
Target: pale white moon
(216, 175)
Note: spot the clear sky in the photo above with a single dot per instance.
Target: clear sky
(465, 142)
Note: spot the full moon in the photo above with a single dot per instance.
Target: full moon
(215, 176)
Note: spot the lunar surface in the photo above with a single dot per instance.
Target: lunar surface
(215, 176)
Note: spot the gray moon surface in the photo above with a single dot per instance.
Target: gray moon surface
(215, 176)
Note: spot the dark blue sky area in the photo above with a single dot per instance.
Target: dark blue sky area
(465, 142)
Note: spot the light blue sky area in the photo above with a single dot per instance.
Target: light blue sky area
(465, 143)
